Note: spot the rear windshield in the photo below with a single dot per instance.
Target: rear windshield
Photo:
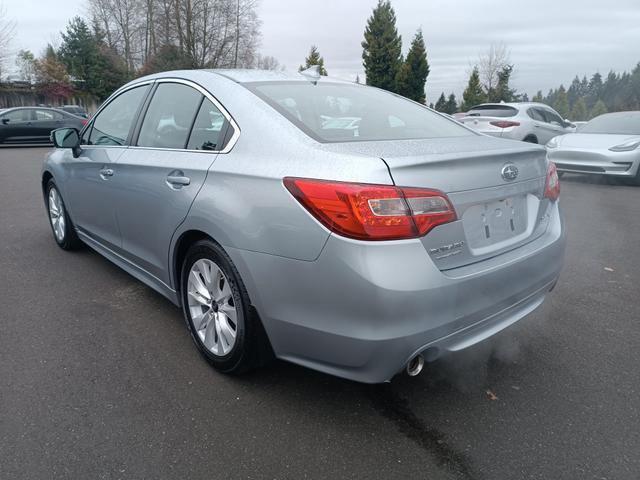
(492, 111)
(334, 112)
(627, 123)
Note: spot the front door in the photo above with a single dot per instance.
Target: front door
(92, 175)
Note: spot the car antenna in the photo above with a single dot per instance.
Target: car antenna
(312, 74)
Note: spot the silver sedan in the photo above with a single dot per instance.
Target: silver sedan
(330, 224)
(607, 145)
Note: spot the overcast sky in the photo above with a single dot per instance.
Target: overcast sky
(550, 41)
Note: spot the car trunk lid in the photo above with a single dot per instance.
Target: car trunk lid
(495, 186)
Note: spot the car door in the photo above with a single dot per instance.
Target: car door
(158, 178)
(552, 126)
(45, 121)
(89, 186)
(16, 125)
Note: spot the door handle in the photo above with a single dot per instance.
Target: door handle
(106, 172)
(178, 181)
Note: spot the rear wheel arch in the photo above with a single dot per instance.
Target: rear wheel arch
(185, 241)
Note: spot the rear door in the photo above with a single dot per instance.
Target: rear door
(46, 120)
(483, 118)
(179, 137)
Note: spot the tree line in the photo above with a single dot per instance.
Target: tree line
(123, 39)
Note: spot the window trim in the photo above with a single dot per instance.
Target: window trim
(115, 95)
(230, 120)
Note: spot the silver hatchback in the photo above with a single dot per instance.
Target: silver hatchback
(330, 224)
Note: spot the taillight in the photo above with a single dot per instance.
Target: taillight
(84, 121)
(372, 212)
(552, 186)
(505, 123)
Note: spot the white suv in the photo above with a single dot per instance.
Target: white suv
(530, 122)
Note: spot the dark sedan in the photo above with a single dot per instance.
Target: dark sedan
(34, 124)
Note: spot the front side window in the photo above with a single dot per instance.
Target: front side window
(209, 128)
(535, 114)
(335, 112)
(169, 117)
(553, 117)
(20, 115)
(113, 124)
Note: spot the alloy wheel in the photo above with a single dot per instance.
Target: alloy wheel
(56, 214)
(212, 307)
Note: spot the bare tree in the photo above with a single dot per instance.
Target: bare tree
(7, 30)
(491, 64)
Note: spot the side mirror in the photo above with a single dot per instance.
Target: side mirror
(67, 138)
(5, 121)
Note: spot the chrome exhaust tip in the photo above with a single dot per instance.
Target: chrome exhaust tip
(415, 366)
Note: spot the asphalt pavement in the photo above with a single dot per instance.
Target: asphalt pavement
(99, 379)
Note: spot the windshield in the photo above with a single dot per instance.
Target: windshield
(334, 112)
(626, 123)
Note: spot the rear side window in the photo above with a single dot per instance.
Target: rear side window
(209, 128)
(552, 117)
(48, 115)
(170, 116)
(112, 125)
(492, 111)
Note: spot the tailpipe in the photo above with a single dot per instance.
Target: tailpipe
(415, 366)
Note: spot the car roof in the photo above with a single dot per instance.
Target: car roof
(241, 76)
(513, 104)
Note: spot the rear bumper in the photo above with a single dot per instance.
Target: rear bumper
(362, 310)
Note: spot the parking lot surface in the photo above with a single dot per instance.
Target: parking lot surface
(99, 378)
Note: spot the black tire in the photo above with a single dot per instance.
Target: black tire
(251, 348)
(530, 139)
(69, 240)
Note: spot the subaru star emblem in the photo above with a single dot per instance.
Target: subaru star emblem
(509, 172)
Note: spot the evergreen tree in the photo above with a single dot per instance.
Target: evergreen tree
(382, 47)
(503, 92)
(561, 102)
(452, 105)
(91, 64)
(538, 97)
(413, 73)
(169, 57)
(473, 95)
(594, 90)
(441, 104)
(598, 109)
(314, 58)
(579, 112)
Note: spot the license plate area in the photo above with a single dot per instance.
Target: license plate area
(495, 222)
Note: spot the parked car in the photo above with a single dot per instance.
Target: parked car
(607, 145)
(530, 122)
(359, 252)
(76, 110)
(34, 124)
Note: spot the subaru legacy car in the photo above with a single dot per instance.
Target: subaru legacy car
(529, 122)
(360, 251)
(607, 145)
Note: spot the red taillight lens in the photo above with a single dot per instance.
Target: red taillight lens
(372, 212)
(84, 121)
(552, 186)
(505, 124)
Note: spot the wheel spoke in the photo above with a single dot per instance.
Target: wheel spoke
(197, 296)
(225, 292)
(196, 283)
(230, 312)
(227, 331)
(210, 334)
